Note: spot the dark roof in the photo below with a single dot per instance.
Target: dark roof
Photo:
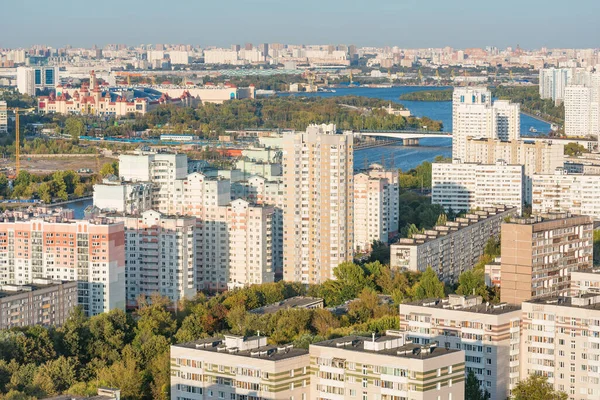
(409, 350)
(269, 352)
(483, 308)
(23, 289)
(588, 301)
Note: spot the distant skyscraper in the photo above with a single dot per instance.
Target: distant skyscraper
(248, 46)
(553, 82)
(318, 209)
(29, 79)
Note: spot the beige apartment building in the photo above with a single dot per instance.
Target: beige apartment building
(376, 208)
(160, 255)
(561, 340)
(239, 368)
(536, 157)
(585, 281)
(489, 335)
(452, 248)
(385, 368)
(3, 117)
(318, 210)
(540, 253)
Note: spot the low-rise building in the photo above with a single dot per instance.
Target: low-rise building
(387, 368)
(561, 341)
(452, 248)
(462, 186)
(239, 368)
(488, 334)
(540, 253)
(43, 302)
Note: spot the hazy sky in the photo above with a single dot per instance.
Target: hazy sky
(406, 23)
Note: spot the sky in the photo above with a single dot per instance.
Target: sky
(404, 23)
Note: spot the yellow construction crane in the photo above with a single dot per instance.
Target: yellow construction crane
(17, 110)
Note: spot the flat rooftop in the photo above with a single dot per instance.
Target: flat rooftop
(292, 302)
(268, 352)
(588, 301)
(451, 227)
(13, 290)
(408, 350)
(467, 304)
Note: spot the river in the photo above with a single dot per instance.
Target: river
(409, 157)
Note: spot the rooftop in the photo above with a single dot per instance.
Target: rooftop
(450, 227)
(472, 304)
(292, 302)
(243, 346)
(539, 221)
(389, 345)
(11, 290)
(588, 301)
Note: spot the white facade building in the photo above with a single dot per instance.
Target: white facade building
(30, 79)
(376, 197)
(578, 111)
(553, 82)
(466, 186)
(160, 256)
(3, 117)
(123, 197)
(474, 115)
(562, 192)
(488, 334)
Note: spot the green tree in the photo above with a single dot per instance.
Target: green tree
(429, 286)
(125, 375)
(472, 282)
(574, 149)
(56, 376)
(3, 184)
(536, 387)
(75, 128)
(473, 390)
(44, 192)
(596, 247)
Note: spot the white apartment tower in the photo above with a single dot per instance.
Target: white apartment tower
(160, 256)
(553, 82)
(318, 209)
(3, 117)
(376, 197)
(474, 115)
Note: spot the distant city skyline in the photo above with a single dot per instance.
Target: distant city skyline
(410, 24)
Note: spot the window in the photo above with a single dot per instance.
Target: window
(439, 372)
(449, 382)
(450, 369)
(364, 382)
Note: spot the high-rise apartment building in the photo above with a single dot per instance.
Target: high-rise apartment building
(465, 186)
(318, 209)
(3, 117)
(239, 368)
(386, 368)
(578, 111)
(540, 253)
(88, 251)
(553, 82)
(160, 255)
(564, 192)
(536, 157)
(30, 79)
(114, 195)
(376, 197)
(452, 248)
(560, 340)
(474, 115)
(488, 334)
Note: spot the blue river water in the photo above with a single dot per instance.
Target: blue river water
(409, 157)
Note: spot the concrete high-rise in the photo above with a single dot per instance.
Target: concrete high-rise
(474, 115)
(539, 254)
(318, 209)
(553, 82)
(30, 79)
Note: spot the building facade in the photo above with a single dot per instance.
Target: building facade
(160, 256)
(462, 186)
(386, 368)
(564, 192)
(318, 209)
(239, 368)
(113, 195)
(44, 302)
(539, 254)
(452, 248)
(90, 252)
(3, 117)
(32, 79)
(376, 198)
(553, 82)
(560, 340)
(488, 334)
